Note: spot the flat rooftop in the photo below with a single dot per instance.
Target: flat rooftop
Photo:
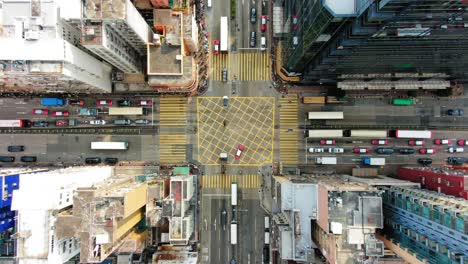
(165, 59)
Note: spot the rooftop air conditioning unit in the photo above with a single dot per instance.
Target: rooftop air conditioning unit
(31, 35)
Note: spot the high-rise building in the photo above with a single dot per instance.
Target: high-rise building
(375, 44)
(39, 52)
(432, 225)
(448, 181)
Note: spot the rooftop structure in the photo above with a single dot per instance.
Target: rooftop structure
(340, 216)
(430, 224)
(43, 196)
(443, 180)
(39, 52)
(374, 44)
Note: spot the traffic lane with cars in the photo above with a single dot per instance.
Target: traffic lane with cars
(348, 157)
(73, 149)
(219, 231)
(250, 227)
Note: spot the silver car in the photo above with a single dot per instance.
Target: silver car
(97, 122)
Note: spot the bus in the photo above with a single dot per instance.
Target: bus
(233, 233)
(369, 133)
(326, 133)
(413, 134)
(224, 34)
(234, 194)
(325, 115)
(110, 145)
(15, 123)
(403, 101)
(124, 111)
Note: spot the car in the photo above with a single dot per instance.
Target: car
(336, 150)
(93, 160)
(327, 142)
(316, 150)
(97, 122)
(455, 112)
(223, 218)
(225, 74)
(361, 150)
(263, 21)
(462, 142)
(15, 148)
(28, 159)
(124, 103)
(145, 103)
(425, 161)
(456, 160)
(253, 39)
(104, 102)
(415, 142)
(295, 22)
(60, 113)
(61, 123)
(225, 101)
(7, 159)
(385, 150)
(456, 150)
(216, 47)
(295, 41)
(40, 124)
(253, 15)
(40, 112)
(76, 102)
(428, 151)
(111, 161)
(142, 122)
(379, 142)
(440, 141)
(406, 151)
(240, 148)
(122, 122)
(262, 43)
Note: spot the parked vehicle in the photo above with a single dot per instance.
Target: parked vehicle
(104, 102)
(406, 151)
(40, 124)
(40, 112)
(442, 141)
(428, 151)
(93, 160)
(53, 102)
(124, 103)
(76, 102)
(327, 142)
(456, 150)
(60, 113)
(455, 112)
(415, 142)
(240, 149)
(7, 159)
(15, 148)
(361, 150)
(385, 150)
(28, 158)
(379, 142)
(111, 161)
(142, 122)
(425, 161)
(97, 122)
(122, 122)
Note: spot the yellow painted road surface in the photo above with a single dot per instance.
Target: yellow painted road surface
(246, 66)
(288, 130)
(173, 115)
(173, 112)
(224, 181)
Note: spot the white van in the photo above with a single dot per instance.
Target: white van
(263, 43)
(209, 3)
(267, 223)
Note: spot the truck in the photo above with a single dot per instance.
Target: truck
(87, 112)
(65, 122)
(373, 161)
(224, 34)
(53, 102)
(233, 233)
(413, 134)
(325, 160)
(325, 133)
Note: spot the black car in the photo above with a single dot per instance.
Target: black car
(40, 124)
(456, 160)
(385, 150)
(253, 15)
(425, 161)
(76, 102)
(253, 39)
(266, 254)
(124, 103)
(111, 161)
(93, 160)
(142, 121)
(28, 159)
(406, 151)
(7, 159)
(15, 148)
(455, 112)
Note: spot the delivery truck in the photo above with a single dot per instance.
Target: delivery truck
(373, 161)
(325, 160)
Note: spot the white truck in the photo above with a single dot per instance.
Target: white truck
(325, 160)
(374, 161)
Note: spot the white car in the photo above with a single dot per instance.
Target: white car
(316, 150)
(97, 122)
(336, 150)
(455, 150)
